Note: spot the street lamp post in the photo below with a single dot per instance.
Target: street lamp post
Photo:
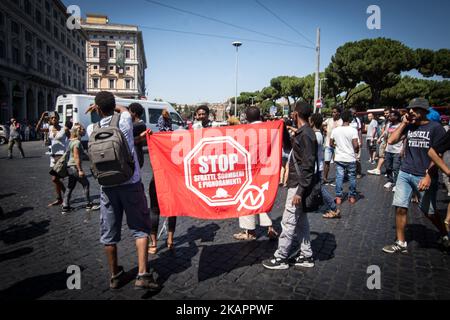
(237, 44)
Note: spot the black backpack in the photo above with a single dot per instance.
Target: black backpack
(111, 160)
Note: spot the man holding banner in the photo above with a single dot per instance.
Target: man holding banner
(248, 223)
(301, 181)
(218, 172)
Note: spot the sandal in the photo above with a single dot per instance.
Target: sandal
(57, 202)
(170, 245)
(244, 235)
(152, 249)
(272, 234)
(332, 214)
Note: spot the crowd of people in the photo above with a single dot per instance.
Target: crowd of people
(406, 143)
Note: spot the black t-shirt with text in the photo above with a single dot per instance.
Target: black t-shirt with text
(418, 140)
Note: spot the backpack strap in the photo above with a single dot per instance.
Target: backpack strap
(115, 120)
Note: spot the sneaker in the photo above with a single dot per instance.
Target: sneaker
(358, 176)
(393, 189)
(146, 282)
(244, 235)
(302, 261)
(275, 264)
(117, 280)
(92, 207)
(395, 247)
(374, 172)
(388, 185)
(66, 210)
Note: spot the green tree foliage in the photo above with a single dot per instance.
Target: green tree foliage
(376, 62)
(431, 63)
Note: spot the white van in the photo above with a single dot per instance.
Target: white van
(73, 107)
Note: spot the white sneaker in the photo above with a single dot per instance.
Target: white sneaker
(374, 172)
(393, 189)
(388, 185)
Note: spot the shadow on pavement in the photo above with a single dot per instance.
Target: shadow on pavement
(35, 287)
(5, 195)
(15, 213)
(424, 236)
(223, 258)
(15, 254)
(18, 233)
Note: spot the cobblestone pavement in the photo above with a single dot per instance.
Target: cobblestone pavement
(37, 245)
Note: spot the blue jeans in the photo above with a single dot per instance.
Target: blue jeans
(392, 162)
(407, 184)
(340, 172)
(327, 197)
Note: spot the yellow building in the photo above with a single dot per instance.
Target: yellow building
(115, 57)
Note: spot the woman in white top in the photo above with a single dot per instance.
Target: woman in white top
(58, 137)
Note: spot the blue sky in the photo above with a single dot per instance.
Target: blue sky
(186, 68)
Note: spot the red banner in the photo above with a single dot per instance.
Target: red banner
(217, 173)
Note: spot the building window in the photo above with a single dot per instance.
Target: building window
(95, 67)
(28, 36)
(95, 83)
(49, 50)
(49, 70)
(38, 16)
(111, 68)
(40, 66)
(111, 83)
(48, 26)
(111, 53)
(57, 74)
(56, 32)
(47, 6)
(55, 14)
(2, 19)
(39, 44)
(15, 55)
(15, 27)
(128, 68)
(28, 7)
(128, 54)
(95, 52)
(63, 37)
(2, 50)
(69, 81)
(64, 78)
(28, 60)
(127, 84)
(62, 22)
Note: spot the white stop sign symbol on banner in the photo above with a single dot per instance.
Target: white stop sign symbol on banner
(218, 170)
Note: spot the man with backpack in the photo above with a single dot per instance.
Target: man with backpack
(115, 165)
(301, 182)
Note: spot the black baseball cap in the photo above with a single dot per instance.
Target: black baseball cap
(419, 103)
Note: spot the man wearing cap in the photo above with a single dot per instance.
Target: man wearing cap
(421, 134)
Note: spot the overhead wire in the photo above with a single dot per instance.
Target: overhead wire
(223, 37)
(222, 22)
(284, 22)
